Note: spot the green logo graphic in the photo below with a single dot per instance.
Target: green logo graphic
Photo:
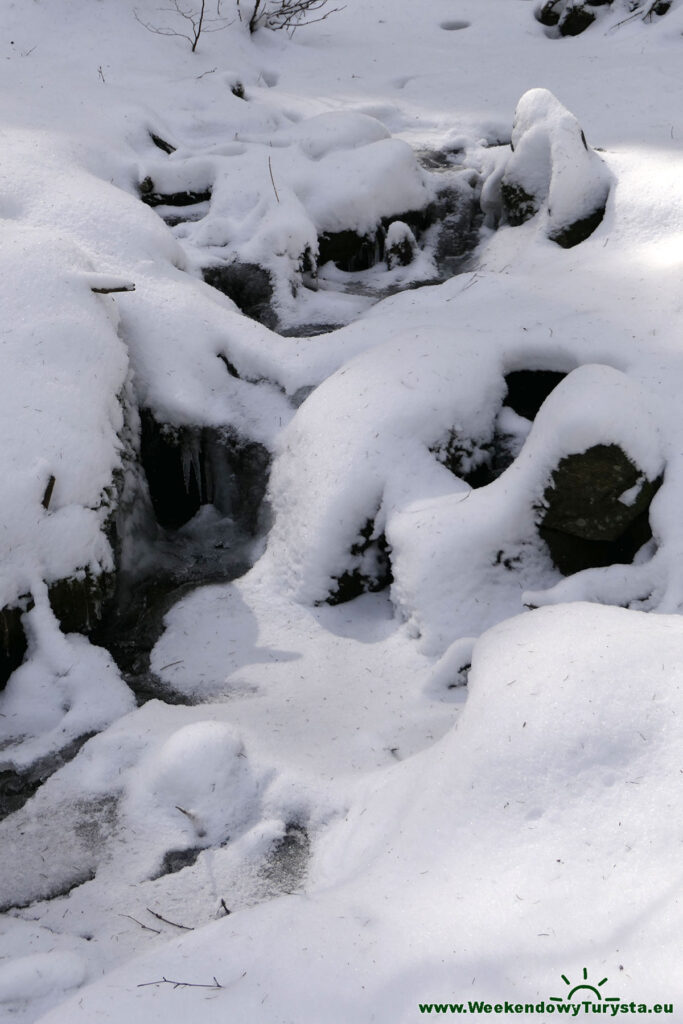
(584, 987)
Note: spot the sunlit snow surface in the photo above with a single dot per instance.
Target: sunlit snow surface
(380, 834)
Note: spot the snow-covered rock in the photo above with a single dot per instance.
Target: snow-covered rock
(552, 169)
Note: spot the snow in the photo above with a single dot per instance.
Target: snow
(41, 974)
(465, 785)
(565, 808)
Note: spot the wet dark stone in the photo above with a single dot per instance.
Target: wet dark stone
(454, 214)
(527, 390)
(187, 467)
(349, 251)
(572, 554)
(580, 230)
(583, 496)
(248, 285)
(18, 786)
(401, 252)
(151, 197)
(238, 90)
(549, 13)
(13, 642)
(576, 18)
(161, 144)
(583, 521)
(371, 572)
(519, 205)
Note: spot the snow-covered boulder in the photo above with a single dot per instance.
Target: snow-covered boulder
(553, 172)
(62, 395)
(448, 551)
(400, 245)
(196, 789)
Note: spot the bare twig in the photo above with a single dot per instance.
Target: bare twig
(180, 984)
(201, 831)
(174, 924)
(47, 495)
(145, 926)
(270, 168)
(286, 14)
(197, 22)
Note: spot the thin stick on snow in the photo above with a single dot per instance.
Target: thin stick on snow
(145, 926)
(47, 495)
(181, 984)
(174, 924)
(270, 168)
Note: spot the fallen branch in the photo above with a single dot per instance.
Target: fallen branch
(199, 828)
(48, 492)
(145, 926)
(179, 984)
(186, 927)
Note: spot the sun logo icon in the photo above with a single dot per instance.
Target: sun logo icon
(584, 987)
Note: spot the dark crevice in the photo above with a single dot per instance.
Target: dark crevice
(207, 488)
(527, 390)
(460, 677)
(13, 643)
(187, 467)
(248, 285)
(78, 603)
(230, 367)
(150, 196)
(481, 462)
(370, 570)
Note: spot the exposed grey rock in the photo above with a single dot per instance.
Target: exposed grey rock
(585, 519)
